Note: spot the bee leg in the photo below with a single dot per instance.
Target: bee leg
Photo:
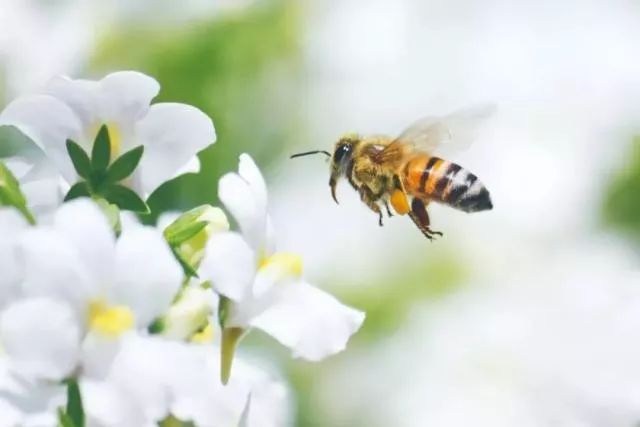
(420, 217)
(368, 198)
(386, 205)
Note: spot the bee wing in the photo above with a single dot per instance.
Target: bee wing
(454, 131)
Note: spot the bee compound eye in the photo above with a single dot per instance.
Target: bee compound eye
(342, 151)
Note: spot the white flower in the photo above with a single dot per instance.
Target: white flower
(171, 133)
(163, 377)
(81, 290)
(12, 224)
(264, 289)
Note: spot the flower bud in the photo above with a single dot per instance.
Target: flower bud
(188, 235)
(189, 314)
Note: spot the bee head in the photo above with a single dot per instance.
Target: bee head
(342, 155)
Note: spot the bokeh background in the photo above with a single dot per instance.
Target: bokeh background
(527, 315)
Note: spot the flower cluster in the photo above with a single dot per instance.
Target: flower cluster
(108, 322)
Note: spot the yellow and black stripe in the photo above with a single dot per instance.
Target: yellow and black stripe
(437, 179)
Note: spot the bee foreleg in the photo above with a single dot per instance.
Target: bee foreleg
(369, 199)
(420, 217)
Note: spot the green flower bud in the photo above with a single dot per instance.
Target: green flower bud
(188, 235)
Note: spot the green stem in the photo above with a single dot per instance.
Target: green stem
(74, 410)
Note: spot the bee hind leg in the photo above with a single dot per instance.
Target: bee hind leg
(420, 217)
(368, 198)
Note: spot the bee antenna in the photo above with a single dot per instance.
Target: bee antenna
(307, 153)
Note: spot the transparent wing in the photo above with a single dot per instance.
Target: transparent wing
(456, 131)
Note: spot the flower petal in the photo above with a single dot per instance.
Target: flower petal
(54, 268)
(141, 370)
(192, 166)
(229, 263)
(249, 171)
(41, 337)
(49, 123)
(147, 274)
(79, 95)
(106, 405)
(201, 397)
(172, 134)
(310, 321)
(125, 96)
(238, 198)
(83, 224)
(11, 226)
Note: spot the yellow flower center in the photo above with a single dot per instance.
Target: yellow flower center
(285, 263)
(205, 336)
(109, 320)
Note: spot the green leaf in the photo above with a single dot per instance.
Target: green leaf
(188, 269)
(184, 234)
(74, 410)
(125, 198)
(64, 419)
(125, 165)
(79, 158)
(79, 189)
(11, 195)
(101, 152)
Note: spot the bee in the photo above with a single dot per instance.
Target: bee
(404, 171)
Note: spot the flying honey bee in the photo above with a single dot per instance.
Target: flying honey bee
(404, 171)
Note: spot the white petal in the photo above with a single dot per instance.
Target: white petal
(49, 123)
(82, 97)
(199, 394)
(41, 337)
(172, 134)
(238, 197)
(34, 403)
(98, 353)
(125, 96)
(12, 225)
(202, 398)
(310, 321)
(192, 166)
(106, 405)
(83, 224)
(144, 368)
(147, 274)
(54, 268)
(10, 416)
(249, 171)
(229, 263)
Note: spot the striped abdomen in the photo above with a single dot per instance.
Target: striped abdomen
(436, 179)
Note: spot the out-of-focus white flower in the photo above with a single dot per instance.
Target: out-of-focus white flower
(171, 133)
(263, 288)
(164, 377)
(12, 224)
(27, 403)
